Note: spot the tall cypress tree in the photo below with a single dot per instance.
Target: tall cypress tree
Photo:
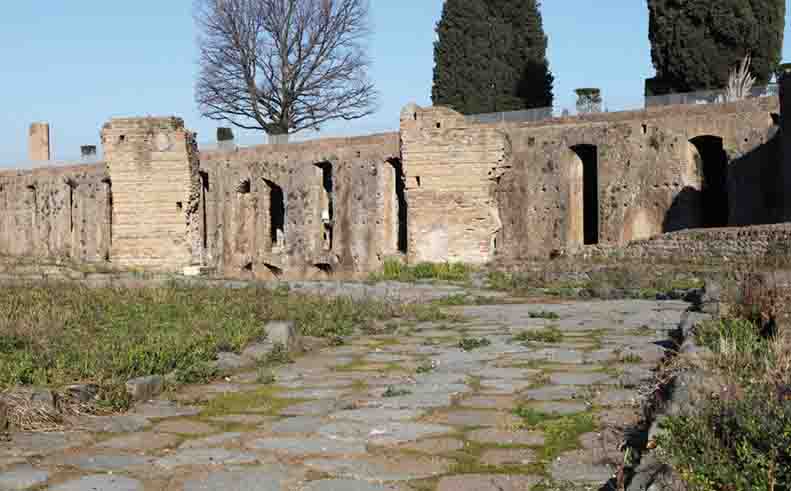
(491, 56)
(696, 43)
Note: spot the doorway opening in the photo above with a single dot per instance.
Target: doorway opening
(714, 169)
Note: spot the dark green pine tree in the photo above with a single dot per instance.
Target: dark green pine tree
(460, 57)
(521, 51)
(490, 56)
(696, 43)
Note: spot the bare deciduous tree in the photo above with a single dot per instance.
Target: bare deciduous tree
(283, 65)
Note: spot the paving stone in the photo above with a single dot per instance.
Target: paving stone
(489, 402)
(249, 480)
(483, 482)
(312, 394)
(164, 409)
(559, 408)
(145, 388)
(576, 466)
(552, 393)
(212, 441)
(377, 415)
(298, 424)
(206, 456)
(382, 468)
(284, 333)
(505, 373)
(580, 378)
(506, 387)
(424, 400)
(311, 408)
(104, 463)
(345, 485)
(243, 419)
(124, 423)
(508, 456)
(29, 444)
(101, 482)
(140, 442)
(228, 362)
(477, 418)
(616, 397)
(434, 446)
(184, 427)
(384, 433)
(504, 437)
(307, 446)
(22, 477)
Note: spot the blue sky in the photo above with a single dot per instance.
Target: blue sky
(78, 63)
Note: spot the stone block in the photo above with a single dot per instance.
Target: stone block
(145, 388)
(285, 333)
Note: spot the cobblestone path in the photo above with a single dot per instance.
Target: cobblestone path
(540, 404)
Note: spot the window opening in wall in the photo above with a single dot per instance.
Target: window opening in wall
(324, 267)
(417, 181)
(121, 138)
(588, 155)
(277, 215)
(400, 190)
(714, 169)
(204, 179)
(327, 204)
(276, 272)
(71, 184)
(645, 129)
(248, 267)
(243, 187)
(179, 205)
(439, 125)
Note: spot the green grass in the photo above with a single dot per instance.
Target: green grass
(393, 392)
(469, 344)
(549, 334)
(263, 401)
(62, 334)
(561, 433)
(394, 270)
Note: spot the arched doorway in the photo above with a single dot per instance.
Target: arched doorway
(584, 195)
(713, 167)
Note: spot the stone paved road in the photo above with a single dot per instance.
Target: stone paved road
(405, 411)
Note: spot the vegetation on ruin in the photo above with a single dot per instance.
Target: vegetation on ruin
(394, 270)
(58, 335)
(738, 438)
(490, 56)
(694, 45)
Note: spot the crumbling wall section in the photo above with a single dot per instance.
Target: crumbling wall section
(156, 191)
(59, 213)
(452, 173)
(523, 182)
(239, 223)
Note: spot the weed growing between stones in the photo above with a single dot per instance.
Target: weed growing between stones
(263, 401)
(561, 433)
(543, 314)
(549, 334)
(426, 367)
(394, 392)
(469, 344)
(278, 356)
(394, 270)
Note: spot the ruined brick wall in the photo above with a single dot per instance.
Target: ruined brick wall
(518, 190)
(156, 185)
(60, 213)
(751, 243)
(339, 205)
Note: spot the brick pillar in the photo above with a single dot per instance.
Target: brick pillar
(38, 142)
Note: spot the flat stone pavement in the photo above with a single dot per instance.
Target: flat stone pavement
(409, 410)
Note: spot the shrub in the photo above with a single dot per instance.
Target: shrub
(738, 444)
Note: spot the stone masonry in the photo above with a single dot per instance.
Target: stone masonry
(443, 188)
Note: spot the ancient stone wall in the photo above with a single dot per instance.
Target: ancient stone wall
(304, 210)
(57, 213)
(523, 190)
(156, 188)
